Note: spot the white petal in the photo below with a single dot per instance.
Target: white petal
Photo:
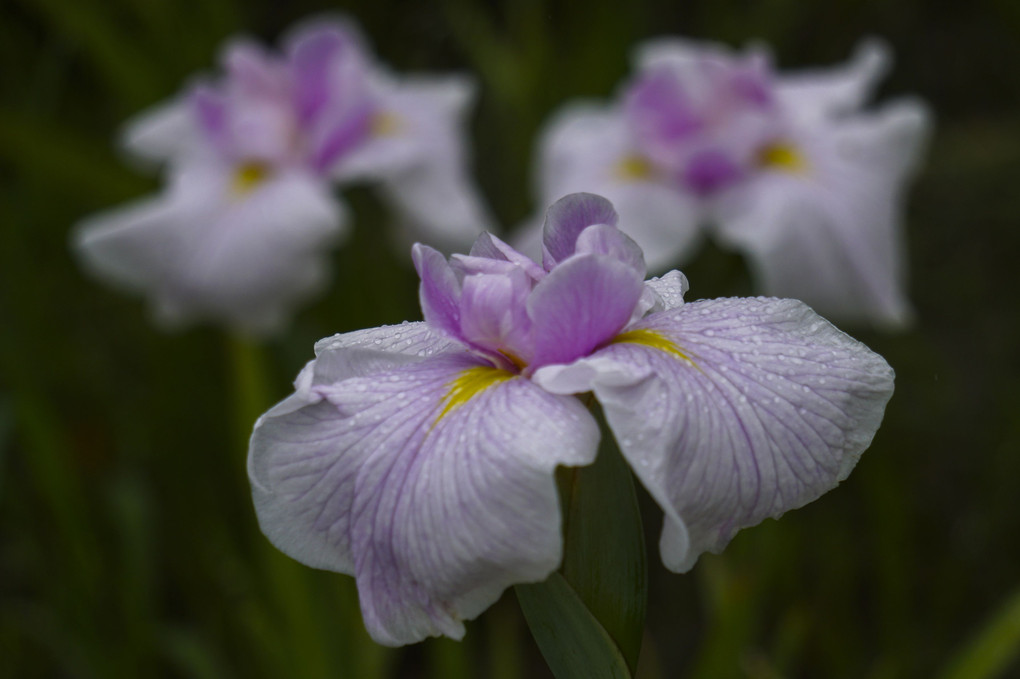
(165, 132)
(831, 236)
(438, 205)
(811, 94)
(424, 125)
(771, 408)
(679, 54)
(435, 512)
(585, 149)
(201, 251)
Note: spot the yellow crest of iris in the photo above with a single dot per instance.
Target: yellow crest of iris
(634, 168)
(247, 176)
(650, 338)
(470, 383)
(782, 156)
(386, 124)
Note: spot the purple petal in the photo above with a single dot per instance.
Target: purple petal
(435, 509)
(731, 411)
(350, 131)
(311, 56)
(582, 303)
(494, 315)
(601, 239)
(491, 247)
(209, 108)
(711, 171)
(440, 290)
(567, 218)
(251, 72)
(659, 111)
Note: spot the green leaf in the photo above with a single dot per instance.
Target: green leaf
(574, 644)
(588, 619)
(604, 550)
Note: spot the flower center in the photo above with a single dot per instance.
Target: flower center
(468, 384)
(650, 338)
(782, 156)
(247, 176)
(634, 168)
(385, 124)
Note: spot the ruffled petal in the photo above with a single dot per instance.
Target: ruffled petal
(491, 247)
(733, 410)
(665, 293)
(431, 482)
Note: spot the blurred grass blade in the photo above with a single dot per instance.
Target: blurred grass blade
(574, 644)
(995, 647)
(604, 549)
(68, 163)
(448, 659)
(109, 46)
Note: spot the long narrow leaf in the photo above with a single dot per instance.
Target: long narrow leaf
(574, 644)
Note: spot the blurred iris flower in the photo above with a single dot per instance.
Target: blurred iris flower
(420, 457)
(787, 168)
(240, 233)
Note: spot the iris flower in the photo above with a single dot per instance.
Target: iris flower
(240, 233)
(788, 168)
(420, 457)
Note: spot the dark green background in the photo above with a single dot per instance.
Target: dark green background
(128, 547)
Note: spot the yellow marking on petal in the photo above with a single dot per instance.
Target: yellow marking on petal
(634, 168)
(247, 176)
(650, 338)
(468, 384)
(518, 362)
(386, 124)
(783, 156)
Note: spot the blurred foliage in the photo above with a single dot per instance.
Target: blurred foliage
(128, 546)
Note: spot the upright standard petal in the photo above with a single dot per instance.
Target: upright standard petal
(581, 304)
(430, 481)
(760, 406)
(567, 218)
(810, 95)
(440, 289)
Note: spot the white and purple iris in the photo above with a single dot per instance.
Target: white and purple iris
(787, 168)
(420, 457)
(241, 231)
